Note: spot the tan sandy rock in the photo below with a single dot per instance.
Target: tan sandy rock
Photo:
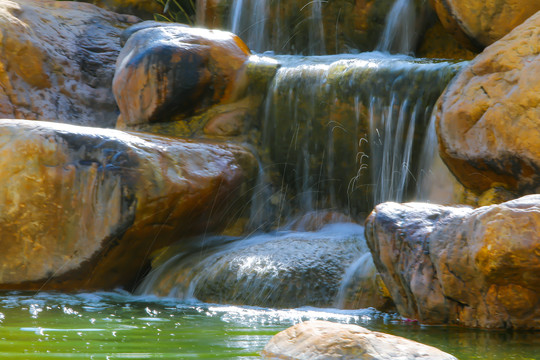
(324, 340)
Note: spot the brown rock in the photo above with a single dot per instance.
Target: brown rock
(477, 268)
(82, 208)
(479, 23)
(171, 72)
(142, 8)
(322, 340)
(488, 116)
(57, 61)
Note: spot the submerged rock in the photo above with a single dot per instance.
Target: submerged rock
(479, 23)
(488, 116)
(284, 269)
(458, 265)
(82, 208)
(58, 61)
(322, 340)
(172, 72)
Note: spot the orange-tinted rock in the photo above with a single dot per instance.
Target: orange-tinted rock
(479, 23)
(58, 60)
(172, 72)
(82, 208)
(462, 266)
(488, 117)
(318, 340)
(438, 43)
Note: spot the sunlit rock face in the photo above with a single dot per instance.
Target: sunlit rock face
(463, 266)
(479, 23)
(58, 60)
(488, 117)
(171, 72)
(281, 269)
(82, 208)
(320, 340)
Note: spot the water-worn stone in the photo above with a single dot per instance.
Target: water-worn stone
(488, 116)
(479, 23)
(284, 269)
(82, 208)
(323, 340)
(458, 265)
(58, 60)
(170, 72)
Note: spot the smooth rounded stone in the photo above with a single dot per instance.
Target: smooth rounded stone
(458, 265)
(488, 116)
(323, 340)
(58, 61)
(82, 208)
(479, 23)
(172, 72)
(283, 269)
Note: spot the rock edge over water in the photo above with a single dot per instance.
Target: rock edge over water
(458, 265)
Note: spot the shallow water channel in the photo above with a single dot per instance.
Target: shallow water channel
(122, 326)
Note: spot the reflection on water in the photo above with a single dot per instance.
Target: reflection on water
(121, 326)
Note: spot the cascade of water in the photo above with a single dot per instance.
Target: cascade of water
(347, 132)
(282, 268)
(316, 29)
(249, 19)
(399, 35)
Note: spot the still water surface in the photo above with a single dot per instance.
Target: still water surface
(122, 326)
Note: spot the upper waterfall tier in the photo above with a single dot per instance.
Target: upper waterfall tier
(351, 131)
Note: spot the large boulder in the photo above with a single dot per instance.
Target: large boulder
(488, 117)
(284, 269)
(82, 208)
(324, 340)
(172, 72)
(58, 60)
(458, 265)
(479, 23)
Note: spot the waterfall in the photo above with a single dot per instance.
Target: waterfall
(261, 25)
(399, 35)
(248, 19)
(346, 132)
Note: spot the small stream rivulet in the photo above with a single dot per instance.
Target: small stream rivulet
(340, 134)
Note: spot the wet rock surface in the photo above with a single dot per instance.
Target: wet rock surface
(58, 60)
(488, 116)
(458, 265)
(318, 340)
(82, 208)
(478, 23)
(171, 72)
(283, 269)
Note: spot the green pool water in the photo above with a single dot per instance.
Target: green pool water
(122, 326)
